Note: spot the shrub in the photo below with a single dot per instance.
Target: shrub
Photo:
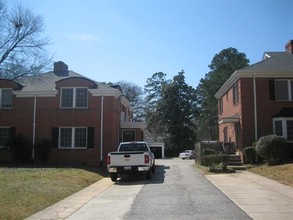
(21, 149)
(42, 150)
(208, 151)
(214, 160)
(271, 148)
(250, 154)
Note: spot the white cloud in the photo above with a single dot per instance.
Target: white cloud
(83, 37)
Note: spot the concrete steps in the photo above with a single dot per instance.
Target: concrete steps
(235, 163)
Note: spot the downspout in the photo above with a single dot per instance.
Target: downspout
(102, 127)
(255, 107)
(34, 127)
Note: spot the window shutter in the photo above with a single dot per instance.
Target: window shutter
(90, 137)
(55, 137)
(272, 89)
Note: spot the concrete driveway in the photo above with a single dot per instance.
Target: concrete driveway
(176, 191)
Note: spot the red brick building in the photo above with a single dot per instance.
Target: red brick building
(257, 100)
(66, 108)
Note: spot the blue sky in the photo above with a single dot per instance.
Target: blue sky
(113, 40)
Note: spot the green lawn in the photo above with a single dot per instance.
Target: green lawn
(25, 191)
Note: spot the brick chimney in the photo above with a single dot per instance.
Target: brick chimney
(289, 46)
(60, 69)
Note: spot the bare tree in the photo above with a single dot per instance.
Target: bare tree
(22, 44)
(134, 94)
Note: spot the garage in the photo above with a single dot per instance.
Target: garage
(158, 149)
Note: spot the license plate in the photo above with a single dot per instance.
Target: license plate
(127, 168)
(126, 159)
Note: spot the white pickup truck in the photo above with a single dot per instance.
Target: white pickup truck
(131, 157)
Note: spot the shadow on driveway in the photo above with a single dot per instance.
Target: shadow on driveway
(137, 179)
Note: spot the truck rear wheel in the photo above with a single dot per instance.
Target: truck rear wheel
(153, 168)
(113, 176)
(149, 175)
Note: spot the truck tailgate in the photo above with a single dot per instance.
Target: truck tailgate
(127, 158)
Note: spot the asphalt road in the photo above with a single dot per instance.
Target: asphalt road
(176, 191)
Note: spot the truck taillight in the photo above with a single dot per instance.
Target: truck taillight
(108, 160)
(146, 159)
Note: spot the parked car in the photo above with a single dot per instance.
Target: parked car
(187, 154)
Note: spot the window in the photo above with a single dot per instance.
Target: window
(283, 90)
(235, 94)
(221, 105)
(290, 130)
(73, 137)
(128, 135)
(225, 131)
(74, 97)
(81, 97)
(283, 127)
(4, 136)
(80, 137)
(278, 128)
(5, 98)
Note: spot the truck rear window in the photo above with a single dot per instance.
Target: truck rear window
(133, 147)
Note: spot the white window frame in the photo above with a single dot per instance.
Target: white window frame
(9, 134)
(289, 81)
(284, 126)
(1, 90)
(73, 132)
(74, 97)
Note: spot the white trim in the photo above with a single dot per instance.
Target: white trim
(255, 108)
(250, 74)
(131, 124)
(51, 93)
(228, 120)
(110, 92)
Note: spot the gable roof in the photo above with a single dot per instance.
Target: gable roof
(43, 82)
(273, 65)
(44, 85)
(272, 62)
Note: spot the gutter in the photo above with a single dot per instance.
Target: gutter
(255, 107)
(102, 127)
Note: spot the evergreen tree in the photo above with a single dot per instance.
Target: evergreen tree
(173, 113)
(222, 67)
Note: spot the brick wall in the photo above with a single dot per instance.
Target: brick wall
(49, 115)
(245, 109)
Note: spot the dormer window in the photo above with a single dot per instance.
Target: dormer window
(5, 98)
(74, 98)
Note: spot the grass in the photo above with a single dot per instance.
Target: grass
(281, 173)
(25, 191)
